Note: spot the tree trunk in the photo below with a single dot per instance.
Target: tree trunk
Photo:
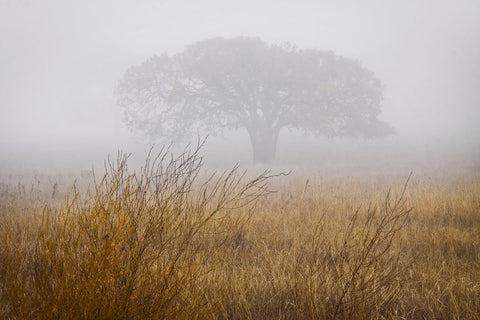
(264, 143)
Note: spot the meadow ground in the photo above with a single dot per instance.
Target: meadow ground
(172, 242)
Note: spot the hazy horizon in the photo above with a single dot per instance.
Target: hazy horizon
(60, 62)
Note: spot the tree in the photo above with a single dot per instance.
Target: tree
(245, 82)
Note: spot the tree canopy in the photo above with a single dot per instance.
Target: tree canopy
(244, 82)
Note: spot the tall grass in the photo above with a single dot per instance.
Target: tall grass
(129, 248)
(167, 242)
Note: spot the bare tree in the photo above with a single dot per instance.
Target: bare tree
(245, 82)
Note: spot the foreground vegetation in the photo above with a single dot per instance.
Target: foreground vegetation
(168, 242)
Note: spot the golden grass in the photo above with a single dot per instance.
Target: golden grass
(166, 243)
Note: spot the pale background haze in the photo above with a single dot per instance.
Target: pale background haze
(60, 60)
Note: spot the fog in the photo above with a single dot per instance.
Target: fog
(60, 62)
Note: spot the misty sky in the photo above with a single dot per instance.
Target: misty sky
(60, 60)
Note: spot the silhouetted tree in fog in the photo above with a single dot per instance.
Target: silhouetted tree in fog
(244, 82)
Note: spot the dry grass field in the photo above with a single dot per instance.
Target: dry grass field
(169, 242)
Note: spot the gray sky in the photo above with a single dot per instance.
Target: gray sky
(60, 60)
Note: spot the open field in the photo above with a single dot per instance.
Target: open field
(170, 242)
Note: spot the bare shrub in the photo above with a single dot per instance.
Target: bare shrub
(130, 247)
